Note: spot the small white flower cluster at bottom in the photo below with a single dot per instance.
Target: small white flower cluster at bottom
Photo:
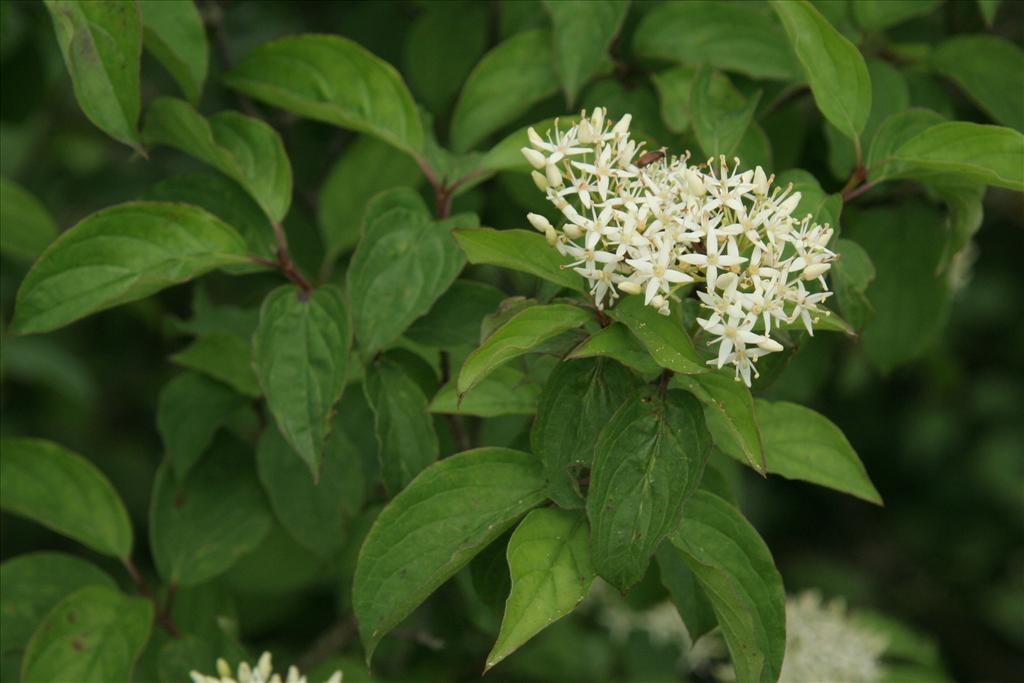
(262, 672)
(648, 224)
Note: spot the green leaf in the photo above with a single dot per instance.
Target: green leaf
(721, 115)
(523, 333)
(175, 35)
(505, 391)
(618, 343)
(894, 131)
(851, 275)
(578, 400)
(910, 300)
(95, 634)
(692, 604)
(28, 225)
(349, 188)
(101, 43)
(245, 149)
(674, 86)
(583, 32)
(434, 527)
(522, 250)
(226, 200)
(648, 461)
(737, 574)
(34, 584)
(403, 264)
(549, 560)
(65, 492)
(313, 513)
(200, 528)
(964, 214)
(455, 318)
(727, 36)
(662, 336)
(189, 411)
(833, 66)
(300, 355)
(990, 70)
(824, 208)
(122, 254)
(332, 79)
(728, 413)
(503, 86)
(878, 15)
(407, 443)
(435, 63)
(805, 445)
(981, 153)
(225, 358)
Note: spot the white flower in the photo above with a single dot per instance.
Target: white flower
(653, 228)
(822, 644)
(263, 672)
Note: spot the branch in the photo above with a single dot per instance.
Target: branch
(161, 615)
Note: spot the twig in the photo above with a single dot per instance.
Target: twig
(162, 615)
(455, 421)
(330, 642)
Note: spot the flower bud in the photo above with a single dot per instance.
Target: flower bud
(535, 139)
(658, 301)
(597, 120)
(622, 127)
(760, 182)
(540, 181)
(694, 182)
(572, 230)
(551, 236)
(223, 670)
(815, 270)
(539, 222)
(536, 159)
(630, 287)
(769, 344)
(554, 176)
(789, 205)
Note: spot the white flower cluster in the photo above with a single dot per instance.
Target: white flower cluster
(645, 223)
(822, 644)
(262, 672)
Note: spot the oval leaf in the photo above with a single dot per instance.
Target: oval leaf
(990, 70)
(101, 43)
(335, 80)
(95, 634)
(728, 413)
(662, 336)
(987, 154)
(300, 355)
(576, 403)
(618, 343)
(28, 225)
(721, 115)
(407, 443)
(805, 445)
(455, 318)
(737, 573)
(520, 250)
(314, 513)
(175, 35)
(834, 67)
(724, 35)
(189, 411)
(200, 528)
(509, 80)
(648, 460)
(523, 332)
(122, 254)
(403, 264)
(583, 32)
(245, 149)
(65, 492)
(549, 560)
(224, 357)
(505, 391)
(434, 527)
(34, 584)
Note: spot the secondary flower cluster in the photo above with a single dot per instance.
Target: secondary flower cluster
(648, 224)
(262, 672)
